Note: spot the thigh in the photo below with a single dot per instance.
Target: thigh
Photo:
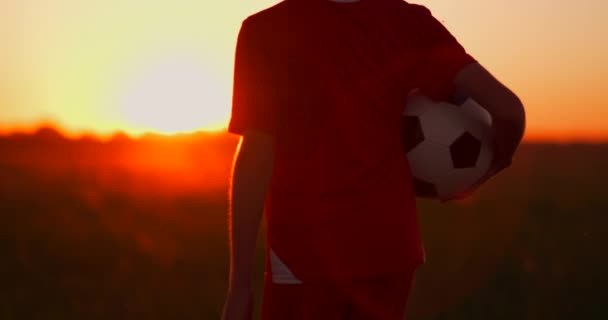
(307, 301)
(381, 298)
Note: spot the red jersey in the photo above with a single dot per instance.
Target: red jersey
(330, 80)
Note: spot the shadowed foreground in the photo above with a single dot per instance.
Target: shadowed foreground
(136, 229)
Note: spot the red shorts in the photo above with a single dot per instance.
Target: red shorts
(376, 298)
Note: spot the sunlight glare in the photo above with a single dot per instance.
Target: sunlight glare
(176, 93)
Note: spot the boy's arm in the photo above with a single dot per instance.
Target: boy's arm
(251, 175)
(447, 67)
(507, 111)
(254, 112)
(252, 171)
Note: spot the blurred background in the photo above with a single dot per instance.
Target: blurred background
(114, 163)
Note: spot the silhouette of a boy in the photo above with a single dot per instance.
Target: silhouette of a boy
(319, 90)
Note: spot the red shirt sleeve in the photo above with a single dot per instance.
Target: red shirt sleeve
(442, 57)
(253, 99)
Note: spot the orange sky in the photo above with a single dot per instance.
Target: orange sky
(101, 66)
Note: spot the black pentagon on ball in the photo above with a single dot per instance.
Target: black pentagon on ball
(465, 151)
(412, 132)
(424, 189)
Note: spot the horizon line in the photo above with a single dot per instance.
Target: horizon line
(531, 138)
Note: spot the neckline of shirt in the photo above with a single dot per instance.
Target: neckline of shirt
(346, 3)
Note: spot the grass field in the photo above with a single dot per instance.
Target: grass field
(136, 229)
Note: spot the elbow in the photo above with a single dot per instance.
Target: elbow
(518, 114)
(511, 121)
(513, 109)
(519, 110)
(255, 157)
(513, 112)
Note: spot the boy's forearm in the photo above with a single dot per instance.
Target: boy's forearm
(508, 127)
(508, 135)
(251, 175)
(506, 109)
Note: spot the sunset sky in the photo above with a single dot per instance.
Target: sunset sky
(166, 66)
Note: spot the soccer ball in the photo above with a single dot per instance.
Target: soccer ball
(448, 144)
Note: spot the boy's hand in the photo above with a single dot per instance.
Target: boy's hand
(239, 304)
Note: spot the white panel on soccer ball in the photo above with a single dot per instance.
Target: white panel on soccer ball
(476, 128)
(478, 119)
(475, 110)
(429, 161)
(443, 124)
(458, 180)
(418, 105)
(484, 160)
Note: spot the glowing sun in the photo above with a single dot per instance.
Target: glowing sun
(174, 94)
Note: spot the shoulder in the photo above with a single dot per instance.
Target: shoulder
(410, 8)
(270, 27)
(269, 17)
(415, 18)
(419, 9)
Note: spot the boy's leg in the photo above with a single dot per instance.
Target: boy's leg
(380, 298)
(307, 301)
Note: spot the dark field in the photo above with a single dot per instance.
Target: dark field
(136, 229)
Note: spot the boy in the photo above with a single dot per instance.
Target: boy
(319, 90)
